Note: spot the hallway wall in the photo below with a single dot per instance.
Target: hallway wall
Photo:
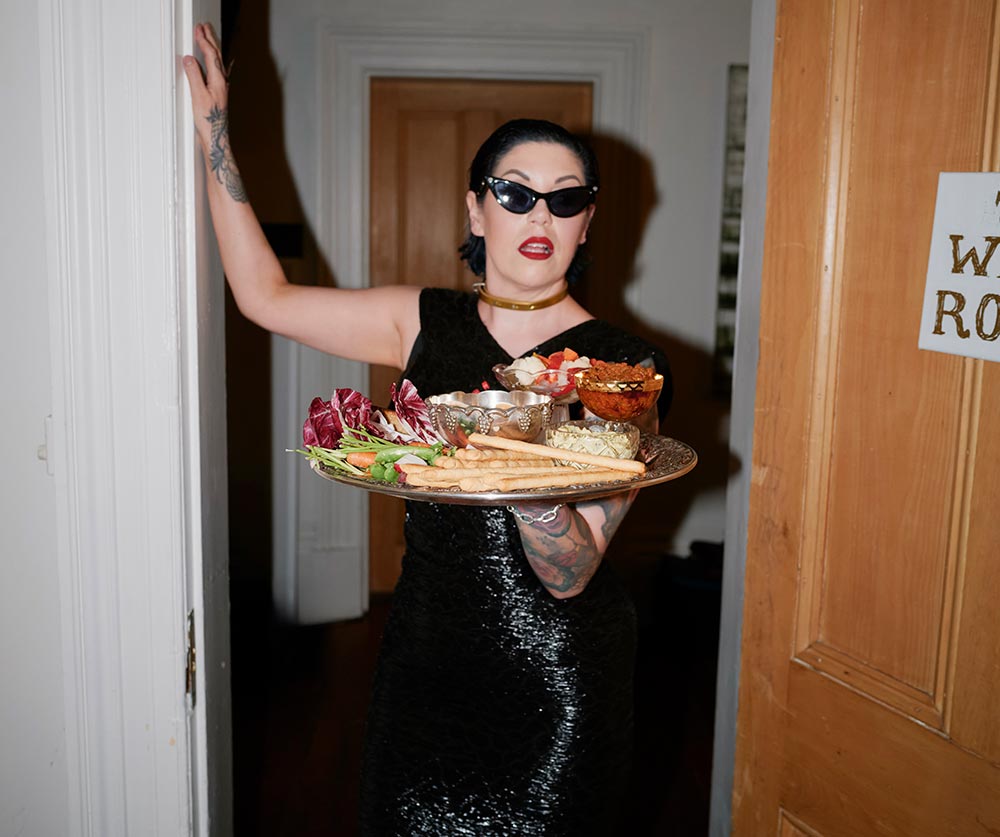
(34, 796)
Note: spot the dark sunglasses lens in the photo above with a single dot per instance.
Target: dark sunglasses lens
(569, 202)
(513, 198)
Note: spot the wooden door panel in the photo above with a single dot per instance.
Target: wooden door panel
(790, 826)
(430, 184)
(872, 511)
(974, 717)
(890, 168)
(853, 771)
(882, 412)
(424, 133)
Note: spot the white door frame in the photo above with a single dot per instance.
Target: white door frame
(138, 400)
(751, 263)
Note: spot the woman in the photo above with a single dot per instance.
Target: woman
(503, 696)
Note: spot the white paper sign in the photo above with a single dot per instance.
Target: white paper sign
(961, 314)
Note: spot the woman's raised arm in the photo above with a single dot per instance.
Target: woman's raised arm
(375, 325)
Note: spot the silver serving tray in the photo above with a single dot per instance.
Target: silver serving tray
(666, 459)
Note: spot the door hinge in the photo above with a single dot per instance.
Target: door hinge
(191, 666)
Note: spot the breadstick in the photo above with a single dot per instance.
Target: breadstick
(501, 482)
(453, 475)
(480, 467)
(534, 461)
(421, 481)
(631, 465)
(476, 454)
(413, 468)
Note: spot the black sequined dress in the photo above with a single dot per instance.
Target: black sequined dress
(497, 709)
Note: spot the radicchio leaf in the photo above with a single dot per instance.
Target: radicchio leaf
(412, 411)
(323, 426)
(352, 408)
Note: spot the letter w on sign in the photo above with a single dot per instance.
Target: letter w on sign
(978, 267)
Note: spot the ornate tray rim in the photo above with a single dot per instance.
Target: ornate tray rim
(675, 459)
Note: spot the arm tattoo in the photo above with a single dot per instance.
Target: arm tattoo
(220, 155)
(563, 552)
(614, 509)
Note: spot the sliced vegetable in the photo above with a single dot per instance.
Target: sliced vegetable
(335, 459)
(361, 458)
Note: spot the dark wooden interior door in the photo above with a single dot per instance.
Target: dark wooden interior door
(424, 133)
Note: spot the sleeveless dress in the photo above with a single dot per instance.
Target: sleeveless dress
(497, 709)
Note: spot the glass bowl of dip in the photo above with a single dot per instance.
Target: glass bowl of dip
(616, 439)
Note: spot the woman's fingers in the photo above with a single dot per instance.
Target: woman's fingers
(209, 31)
(195, 77)
(209, 89)
(209, 45)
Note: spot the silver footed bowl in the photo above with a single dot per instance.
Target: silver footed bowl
(512, 415)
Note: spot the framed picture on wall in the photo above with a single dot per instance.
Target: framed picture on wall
(729, 240)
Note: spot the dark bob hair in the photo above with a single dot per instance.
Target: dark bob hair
(503, 139)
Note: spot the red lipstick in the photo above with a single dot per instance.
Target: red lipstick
(536, 247)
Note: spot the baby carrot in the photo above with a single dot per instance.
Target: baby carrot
(361, 459)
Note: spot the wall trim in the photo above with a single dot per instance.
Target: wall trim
(126, 469)
(751, 265)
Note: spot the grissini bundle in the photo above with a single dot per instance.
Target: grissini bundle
(632, 466)
(452, 462)
(481, 467)
(429, 475)
(476, 454)
(500, 481)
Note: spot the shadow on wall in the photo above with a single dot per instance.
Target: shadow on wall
(698, 417)
(677, 597)
(256, 123)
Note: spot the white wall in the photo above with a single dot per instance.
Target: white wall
(689, 47)
(33, 762)
(108, 302)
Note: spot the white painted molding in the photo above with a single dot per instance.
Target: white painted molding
(128, 521)
(751, 265)
(331, 519)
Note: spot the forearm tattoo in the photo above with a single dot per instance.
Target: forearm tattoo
(563, 552)
(220, 155)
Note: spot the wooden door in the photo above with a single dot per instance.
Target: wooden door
(870, 681)
(424, 134)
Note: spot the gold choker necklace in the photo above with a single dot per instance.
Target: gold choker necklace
(513, 304)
